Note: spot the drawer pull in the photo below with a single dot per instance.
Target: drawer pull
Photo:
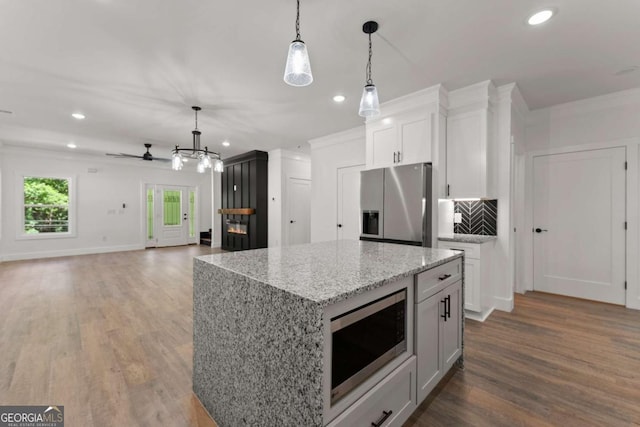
(385, 415)
(444, 277)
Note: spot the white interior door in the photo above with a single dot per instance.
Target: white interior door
(175, 215)
(349, 202)
(579, 224)
(299, 202)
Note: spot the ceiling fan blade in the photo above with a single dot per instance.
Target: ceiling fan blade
(123, 155)
(160, 159)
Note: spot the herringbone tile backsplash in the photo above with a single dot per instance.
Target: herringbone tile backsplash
(478, 217)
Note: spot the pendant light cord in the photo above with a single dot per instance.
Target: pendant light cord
(369, 81)
(298, 21)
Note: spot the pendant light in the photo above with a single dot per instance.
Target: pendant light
(180, 155)
(297, 72)
(369, 104)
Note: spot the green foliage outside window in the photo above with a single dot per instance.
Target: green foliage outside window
(46, 205)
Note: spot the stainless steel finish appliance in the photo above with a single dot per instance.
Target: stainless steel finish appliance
(365, 339)
(396, 204)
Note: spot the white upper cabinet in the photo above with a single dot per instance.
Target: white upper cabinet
(467, 155)
(470, 131)
(401, 139)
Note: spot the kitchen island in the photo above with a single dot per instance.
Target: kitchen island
(260, 327)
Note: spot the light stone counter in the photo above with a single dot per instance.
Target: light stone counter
(468, 238)
(258, 340)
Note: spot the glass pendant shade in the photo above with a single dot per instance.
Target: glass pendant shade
(369, 104)
(176, 162)
(201, 168)
(206, 161)
(218, 166)
(298, 69)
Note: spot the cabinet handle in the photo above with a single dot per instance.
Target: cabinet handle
(449, 306)
(444, 277)
(394, 157)
(385, 415)
(444, 309)
(339, 225)
(448, 188)
(399, 156)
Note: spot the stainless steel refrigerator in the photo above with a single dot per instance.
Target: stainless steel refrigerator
(395, 204)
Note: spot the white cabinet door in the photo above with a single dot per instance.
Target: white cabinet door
(467, 155)
(349, 202)
(428, 344)
(381, 146)
(452, 325)
(472, 278)
(415, 139)
(400, 140)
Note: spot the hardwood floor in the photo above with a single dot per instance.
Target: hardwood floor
(109, 336)
(554, 361)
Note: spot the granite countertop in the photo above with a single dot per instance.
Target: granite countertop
(468, 238)
(329, 272)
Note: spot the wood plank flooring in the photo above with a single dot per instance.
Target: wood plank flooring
(553, 361)
(110, 337)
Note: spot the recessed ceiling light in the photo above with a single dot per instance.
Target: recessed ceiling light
(78, 116)
(339, 98)
(71, 145)
(226, 143)
(540, 17)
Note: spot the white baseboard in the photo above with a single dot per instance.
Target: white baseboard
(70, 252)
(480, 317)
(503, 304)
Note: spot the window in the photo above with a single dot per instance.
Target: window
(46, 207)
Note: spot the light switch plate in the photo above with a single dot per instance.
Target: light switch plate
(457, 218)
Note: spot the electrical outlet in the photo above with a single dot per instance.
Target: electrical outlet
(457, 218)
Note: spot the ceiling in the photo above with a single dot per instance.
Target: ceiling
(134, 67)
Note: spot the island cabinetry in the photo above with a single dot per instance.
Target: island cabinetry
(438, 326)
(388, 404)
(399, 140)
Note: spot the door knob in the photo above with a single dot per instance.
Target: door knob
(539, 230)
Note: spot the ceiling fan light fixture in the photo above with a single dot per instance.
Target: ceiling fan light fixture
(297, 71)
(369, 103)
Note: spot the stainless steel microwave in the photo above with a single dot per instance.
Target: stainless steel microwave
(366, 339)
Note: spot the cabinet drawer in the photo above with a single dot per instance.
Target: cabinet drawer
(471, 250)
(431, 281)
(395, 395)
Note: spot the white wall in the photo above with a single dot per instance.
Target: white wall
(605, 121)
(329, 153)
(283, 164)
(115, 182)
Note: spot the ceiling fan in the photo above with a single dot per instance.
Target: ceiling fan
(146, 156)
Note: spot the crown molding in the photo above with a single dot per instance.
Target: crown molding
(357, 133)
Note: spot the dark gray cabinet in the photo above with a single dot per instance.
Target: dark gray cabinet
(244, 187)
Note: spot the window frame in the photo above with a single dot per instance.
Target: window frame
(20, 231)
